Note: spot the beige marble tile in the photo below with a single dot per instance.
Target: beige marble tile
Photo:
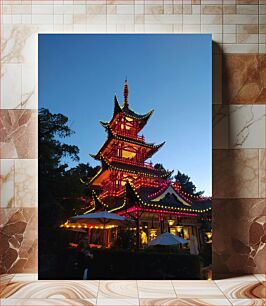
(209, 28)
(155, 289)
(51, 290)
(229, 9)
(247, 38)
(247, 29)
(29, 84)
(211, 19)
(243, 77)
(42, 19)
(26, 183)
(247, 126)
(168, 9)
(217, 85)
(211, 9)
(163, 19)
(220, 126)
(197, 289)
(247, 9)
(7, 183)
(42, 9)
(240, 19)
(96, 9)
(44, 302)
(159, 28)
(18, 240)
(18, 133)
(117, 302)
(118, 289)
(5, 279)
(25, 277)
(187, 9)
(120, 19)
(19, 44)
(235, 173)
(229, 29)
(240, 48)
(247, 1)
(229, 38)
(248, 302)
(191, 28)
(125, 9)
(10, 85)
(191, 19)
(243, 287)
(183, 302)
(153, 9)
(260, 277)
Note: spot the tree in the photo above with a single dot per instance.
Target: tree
(186, 184)
(51, 150)
(61, 190)
(159, 166)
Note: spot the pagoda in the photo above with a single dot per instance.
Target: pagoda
(128, 184)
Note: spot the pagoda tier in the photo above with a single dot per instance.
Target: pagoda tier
(113, 174)
(126, 122)
(126, 148)
(164, 199)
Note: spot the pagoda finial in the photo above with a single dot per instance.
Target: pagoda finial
(125, 93)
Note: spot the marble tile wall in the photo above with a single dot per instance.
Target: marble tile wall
(238, 30)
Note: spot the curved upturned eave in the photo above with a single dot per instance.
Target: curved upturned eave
(127, 112)
(154, 148)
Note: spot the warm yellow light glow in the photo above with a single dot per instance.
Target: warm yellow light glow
(127, 154)
(172, 231)
(209, 235)
(143, 237)
(129, 119)
(179, 228)
(171, 222)
(153, 233)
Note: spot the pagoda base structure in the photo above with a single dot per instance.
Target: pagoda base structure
(155, 210)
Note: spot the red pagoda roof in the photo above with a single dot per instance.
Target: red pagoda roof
(169, 202)
(112, 135)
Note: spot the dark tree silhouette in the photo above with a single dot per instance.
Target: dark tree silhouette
(62, 191)
(187, 184)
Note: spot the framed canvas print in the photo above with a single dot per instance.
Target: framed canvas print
(125, 156)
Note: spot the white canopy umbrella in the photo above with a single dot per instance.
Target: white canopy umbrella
(101, 218)
(168, 239)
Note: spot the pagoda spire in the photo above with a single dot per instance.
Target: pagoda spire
(125, 94)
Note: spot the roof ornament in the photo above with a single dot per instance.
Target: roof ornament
(125, 94)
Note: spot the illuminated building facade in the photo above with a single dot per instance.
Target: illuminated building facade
(129, 185)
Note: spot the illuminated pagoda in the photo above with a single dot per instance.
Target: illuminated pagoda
(129, 185)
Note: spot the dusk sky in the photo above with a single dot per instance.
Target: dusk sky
(79, 74)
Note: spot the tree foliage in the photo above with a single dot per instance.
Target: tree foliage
(53, 128)
(186, 184)
(62, 191)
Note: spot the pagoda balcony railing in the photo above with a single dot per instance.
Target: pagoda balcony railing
(132, 161)
(131, 135)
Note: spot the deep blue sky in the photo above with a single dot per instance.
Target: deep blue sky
(79, 75)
